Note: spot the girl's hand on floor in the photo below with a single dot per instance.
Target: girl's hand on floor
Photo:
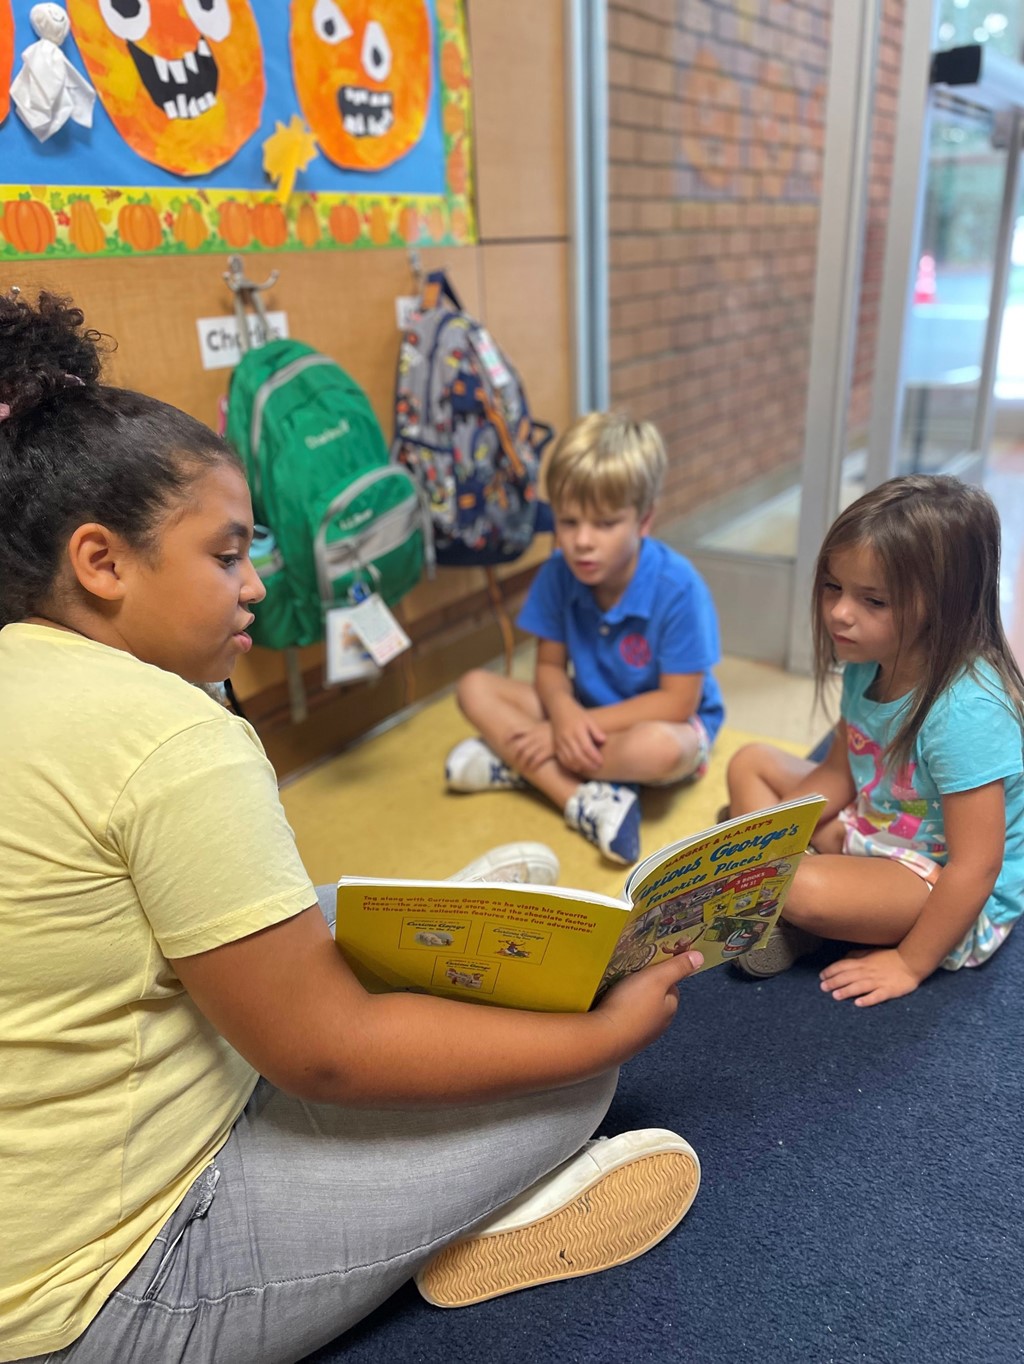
(643, 1003)
(870, 977)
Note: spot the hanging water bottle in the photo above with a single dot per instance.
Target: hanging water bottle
(264, 553)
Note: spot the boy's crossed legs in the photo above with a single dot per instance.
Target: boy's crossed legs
(517, 747)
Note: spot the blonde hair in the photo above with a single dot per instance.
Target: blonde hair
(606, 461)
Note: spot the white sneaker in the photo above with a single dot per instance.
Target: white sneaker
(532, 863)
(607, 814)
(607, 1204)
(472, 766)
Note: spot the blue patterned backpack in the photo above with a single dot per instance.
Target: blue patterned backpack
(463, 429)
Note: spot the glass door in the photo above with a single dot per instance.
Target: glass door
(950, 310)
(948, 249)
(946, 275)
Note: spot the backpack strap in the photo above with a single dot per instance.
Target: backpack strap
(439, 286)
(541, 435)
(497, 420)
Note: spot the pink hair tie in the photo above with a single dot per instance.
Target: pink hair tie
(70, 381)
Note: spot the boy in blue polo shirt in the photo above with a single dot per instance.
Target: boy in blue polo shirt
(623, 694)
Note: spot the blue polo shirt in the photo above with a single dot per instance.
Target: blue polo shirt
(664, 623)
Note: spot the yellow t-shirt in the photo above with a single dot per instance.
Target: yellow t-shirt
(140, 821)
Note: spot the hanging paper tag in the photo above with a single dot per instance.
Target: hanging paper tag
(347, 658)
(380, 632)
(490, 359)
(405, 306)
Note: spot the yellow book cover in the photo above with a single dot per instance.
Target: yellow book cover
(555, 949)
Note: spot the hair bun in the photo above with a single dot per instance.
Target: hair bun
(45, 349)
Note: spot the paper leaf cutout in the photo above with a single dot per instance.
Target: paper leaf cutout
(287, 151)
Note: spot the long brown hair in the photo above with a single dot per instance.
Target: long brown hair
(937, 543)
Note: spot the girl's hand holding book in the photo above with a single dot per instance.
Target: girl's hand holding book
(644, 1003)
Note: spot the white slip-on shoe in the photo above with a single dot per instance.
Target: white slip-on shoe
(472, 766)
(532, 863)
(607, 1204)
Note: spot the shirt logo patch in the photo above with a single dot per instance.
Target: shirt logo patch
(635, 651)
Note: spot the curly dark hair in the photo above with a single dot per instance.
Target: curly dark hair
(73, 450)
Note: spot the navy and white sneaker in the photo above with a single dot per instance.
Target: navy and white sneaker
(472, 766)
(607, 814)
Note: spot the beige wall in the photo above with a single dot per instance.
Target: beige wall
(517, 278)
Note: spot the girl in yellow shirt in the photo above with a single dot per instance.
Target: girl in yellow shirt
(201, 1147)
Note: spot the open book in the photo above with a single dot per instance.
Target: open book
(557, 949)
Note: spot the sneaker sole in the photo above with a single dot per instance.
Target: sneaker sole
(464, 789)
(622, 1215)
(780, 953)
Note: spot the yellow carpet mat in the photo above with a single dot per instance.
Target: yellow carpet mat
(381, 809)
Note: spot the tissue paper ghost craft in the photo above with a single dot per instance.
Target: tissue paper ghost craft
(6, 56)
(182, 80)
(48, 91)
(362, 71)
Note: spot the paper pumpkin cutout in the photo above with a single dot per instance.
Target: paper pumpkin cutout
(362, 72)
(182, 80)
(6, 56)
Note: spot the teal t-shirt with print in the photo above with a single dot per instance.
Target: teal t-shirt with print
(970, 737)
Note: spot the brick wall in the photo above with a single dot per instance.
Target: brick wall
(716, 141)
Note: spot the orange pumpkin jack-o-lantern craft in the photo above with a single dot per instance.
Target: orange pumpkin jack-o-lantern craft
(362, 71)
(6, 56)
(182, 80)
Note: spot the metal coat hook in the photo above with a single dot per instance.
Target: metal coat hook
(247, 294)
(416, 266)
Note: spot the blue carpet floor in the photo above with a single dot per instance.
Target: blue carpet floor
(861, 1201)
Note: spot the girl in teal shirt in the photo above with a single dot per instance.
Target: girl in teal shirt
(922, 840)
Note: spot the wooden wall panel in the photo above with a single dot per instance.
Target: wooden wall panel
(528, 307)
(519, 89)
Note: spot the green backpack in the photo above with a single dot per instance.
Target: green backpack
(343, 521)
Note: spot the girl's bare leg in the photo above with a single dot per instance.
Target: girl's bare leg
(871, 900)
(761, 775)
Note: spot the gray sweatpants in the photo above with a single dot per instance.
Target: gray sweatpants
(310, 1216)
